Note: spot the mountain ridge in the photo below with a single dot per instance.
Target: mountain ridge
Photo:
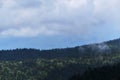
(72, 52)
(57, 64)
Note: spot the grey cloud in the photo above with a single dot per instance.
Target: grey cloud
(84, 18)
(29, 3)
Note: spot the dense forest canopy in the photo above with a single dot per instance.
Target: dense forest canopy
(57, 64)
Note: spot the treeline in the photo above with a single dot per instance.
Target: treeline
(52, 69)
(59, 64)
(92, 50)
(25, 54)
(108, 72)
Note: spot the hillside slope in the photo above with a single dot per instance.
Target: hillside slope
(108, 72)
(91, 50)
(57, 64)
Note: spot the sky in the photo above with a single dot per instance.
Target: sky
(47, 24)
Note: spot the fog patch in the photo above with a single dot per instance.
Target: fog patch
(100, 46)
(95, 48)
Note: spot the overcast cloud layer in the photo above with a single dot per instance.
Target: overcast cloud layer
(83, 18)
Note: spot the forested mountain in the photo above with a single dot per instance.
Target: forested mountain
(108, 72)
(91, 50)
(57, 64)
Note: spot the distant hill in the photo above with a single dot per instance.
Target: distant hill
(58, 64)
(108, 72)
(91, 50)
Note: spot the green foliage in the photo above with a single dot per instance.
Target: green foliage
(51, 69)
(108, 72)
(56, 64)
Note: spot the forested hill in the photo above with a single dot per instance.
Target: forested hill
(91, 50)
(59, 64)
(108, 72)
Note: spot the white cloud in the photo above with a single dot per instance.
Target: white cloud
(53, 17)
(26, 32)
(8, 4)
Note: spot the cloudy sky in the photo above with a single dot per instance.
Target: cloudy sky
(45, 24)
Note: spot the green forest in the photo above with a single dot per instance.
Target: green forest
(100, 61)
